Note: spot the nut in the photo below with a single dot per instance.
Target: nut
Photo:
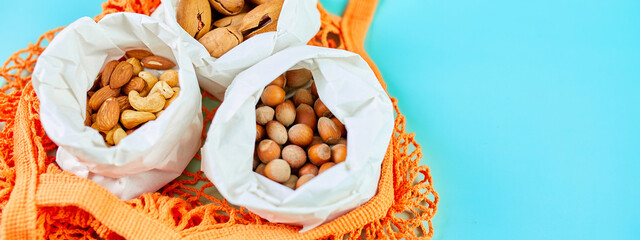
(291, 182)
(260, 169)
(258, 2)
(342, 141)
(137, 66)
(306, 116)
(121, 75)
(157, 62)
(227, 7)
(277, 132)
(304, 179)
(163, 89)
(170, 77)
(321, 109)
(268, 150)
(263, 18)
(131, 118)
(298, 78)
(135, 84)
(259, 132)
(286, 113)
(151, 103)
(230, 21)
(302, 96)
(194, 16)
(300, 134)
(316, 140)
(123, 103)
(87, 117)
(138, 53)
(278, 170)
(343, 130)
(314, 89)
(294, 155)
(107, 115)
(272, 96)
(328, 130)
(308, 168)
(319, 154)
(264, 114)
(256, 161)
(279, 81)
(338, 153)
(100, 96)
(176, 93)
(106, 72)
(150, 81)
(325, 167)
(118, 135)
(220, 40)
(109, 136)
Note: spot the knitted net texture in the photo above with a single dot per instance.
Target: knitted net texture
(39, 200)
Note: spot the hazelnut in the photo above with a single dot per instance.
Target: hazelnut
(325, 167)
(314, 90)
(319, 154)
(298, 78)
(294, 155)
(315, 141)
(343, 130)
(306, 116)
(302, 96)
(342, 141)
(328, 130)
(260, 169)
(278, 170)
(291, 183)
(264, 114)
(277, 132)
(321, 109)
(272, 95)
(268, 150)
(308, 168)
(279, 81)
(286, 113)
(300, 134)
(256, 161)
(338, 153)
(304, 179)
(259, 132)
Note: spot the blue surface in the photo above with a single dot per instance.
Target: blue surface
(528, 112)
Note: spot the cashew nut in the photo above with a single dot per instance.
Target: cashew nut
(131, 118)
(118, 135)
(158, 114)
(176, 91)
(152, 103)
(163, 88)
(137, 66)
(170, 77)
(109, 136)
(148, 78)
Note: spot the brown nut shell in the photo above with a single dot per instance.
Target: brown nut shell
(220, 40)
(227, 7)
(308, 168)
(328, 130)
(302, 96)
(319, 154)
(259, 132)
(279, 81)
(341, 127)
(294, 155)
(286, 113)
(338, 153)
(268, 150)
(325, 167)
(298, 78)
(278, 170)
(305, 115)
(261, 19)
(304, 179)
(321, 109)
(291, 183)
(260, 169)
(264, 114)
(194, 16)
(300, 134)
(272, 95)
(230, 21)
(277, 132)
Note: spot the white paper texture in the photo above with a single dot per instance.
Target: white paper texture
(299, 21)
(155, 153)
(349, 88)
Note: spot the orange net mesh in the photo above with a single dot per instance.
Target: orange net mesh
(39, 200)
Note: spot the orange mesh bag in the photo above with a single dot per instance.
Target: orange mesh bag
(39, 200)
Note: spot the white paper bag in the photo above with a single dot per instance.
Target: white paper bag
(299, 21)
(152, 155)
(349, 88)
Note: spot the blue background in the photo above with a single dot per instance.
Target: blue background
(528, 112)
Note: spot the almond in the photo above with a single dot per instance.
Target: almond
(108, 115)
(157, 62)
(135, 84)
(101, 95)
(121, 75)
(123, 103)
(106, 72)
(138, 53)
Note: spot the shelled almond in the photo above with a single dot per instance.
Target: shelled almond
(220, 25)
(297, 138)
(124, 96)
